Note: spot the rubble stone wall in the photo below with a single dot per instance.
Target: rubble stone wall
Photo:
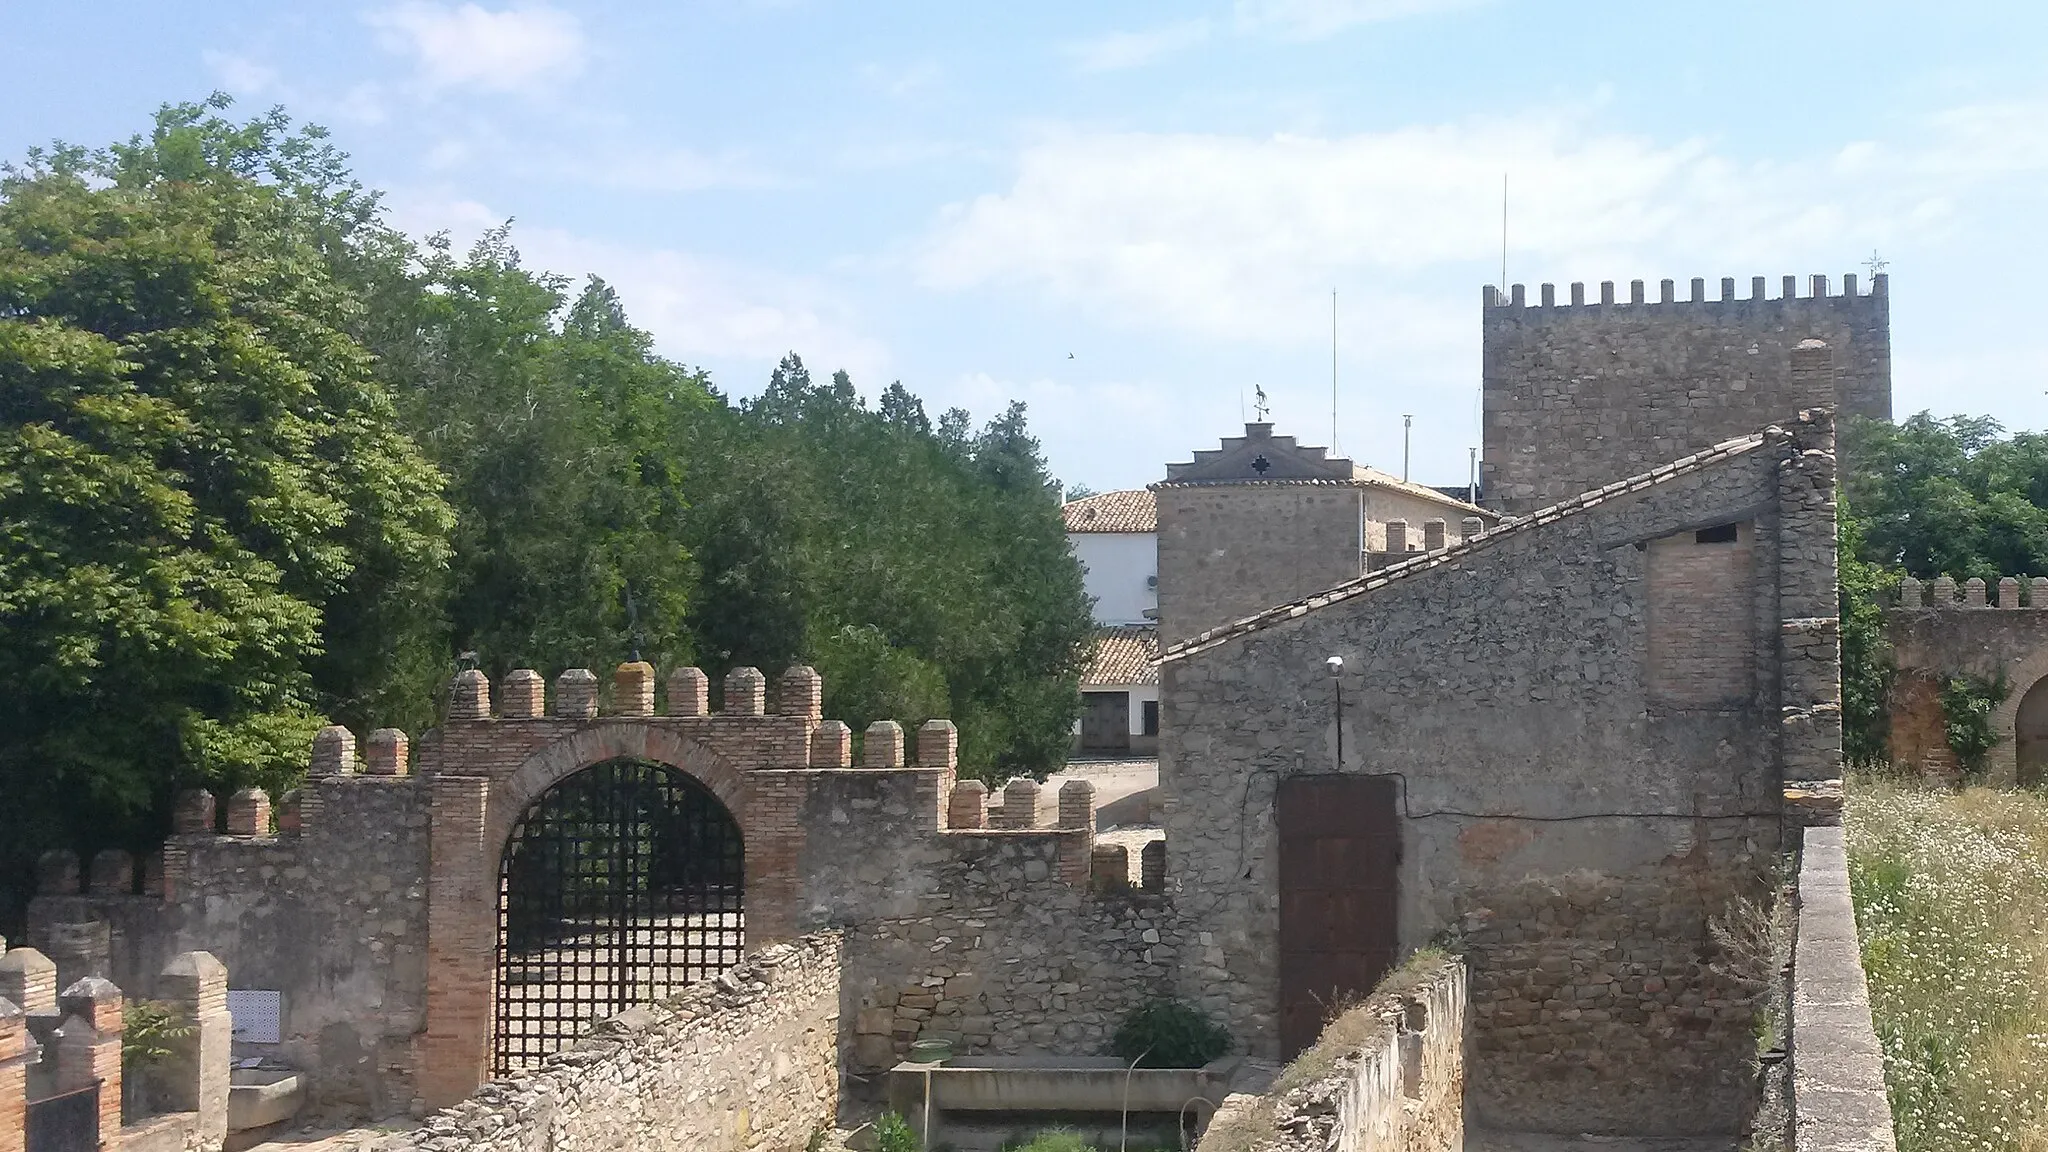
(1575, 833)
(1579, 393)
(746, 1060)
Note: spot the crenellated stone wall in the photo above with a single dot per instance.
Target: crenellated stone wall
(1996, 633)
(1579, 393)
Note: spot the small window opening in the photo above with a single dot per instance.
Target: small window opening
(1718, 534)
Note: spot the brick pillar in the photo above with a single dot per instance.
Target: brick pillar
(469, 697)
(1910, 593)
(938, 745)
(29, 980)
(689, 692)
(389, 753)
(2008, 592)
(249, 813)
(1109, 868)
(746, 692)
(461, 941)
(1152, 866)
(195, 1077)
(1397, 535)
(1020, 803)
(968, 806)
(1077, 805)
(89, 1048)
(831, 745)
(882, 747)
(633, 688)
(79, 948)
(1973, 592)
(13, 1077)
(576, 694)
(334, 754)
(1471, 527)
(113, 873)
(801, 692)
(57, 873)
(1433, 531)
(526, 695)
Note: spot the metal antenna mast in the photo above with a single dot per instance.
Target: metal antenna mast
(1333, 372)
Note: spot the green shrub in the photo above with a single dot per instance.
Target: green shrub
(893, 1134)
(1055, 1140)
(149, 1028)
(1169, 1033)
(1966, 706)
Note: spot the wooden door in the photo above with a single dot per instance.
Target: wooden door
(1340, 856)
(1106, 721)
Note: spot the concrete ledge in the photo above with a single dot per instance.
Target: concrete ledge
(1838, 1096)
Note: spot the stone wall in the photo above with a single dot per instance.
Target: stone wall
(1387, 1076)
(1005, 941)
(748, 1060)
(331, 911)
(1580, 394)
(1941, 629)
(1572, 829)
(1229, 550)
(1839, 1101)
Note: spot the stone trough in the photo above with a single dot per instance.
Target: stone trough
(1003, 1093)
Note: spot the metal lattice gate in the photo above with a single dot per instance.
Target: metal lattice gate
(620, 885)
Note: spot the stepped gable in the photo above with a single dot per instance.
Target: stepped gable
(1259, 457)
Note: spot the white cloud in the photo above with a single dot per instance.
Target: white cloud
(469, 46)
(698, 308)
(1315, 19)
(1118, 50)
(1229, 236)
(679, 170)
(239, 74)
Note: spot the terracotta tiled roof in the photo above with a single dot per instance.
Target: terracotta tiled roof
(1131, 511)
(1124, 656)
(1425, 561)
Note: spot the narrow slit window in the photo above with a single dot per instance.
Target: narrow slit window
(1718, 534)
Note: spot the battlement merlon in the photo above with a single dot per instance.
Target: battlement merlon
(1515, 299)
(1942, 593)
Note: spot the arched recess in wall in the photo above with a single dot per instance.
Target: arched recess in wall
(2030, 735)
(2021, 679)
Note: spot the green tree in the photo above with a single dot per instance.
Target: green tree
(212, 531)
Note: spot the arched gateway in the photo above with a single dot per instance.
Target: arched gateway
(618, 886)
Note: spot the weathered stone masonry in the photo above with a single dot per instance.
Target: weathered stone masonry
(372, 905)
(1940, 630)
(1579, 394)
(1571, 815)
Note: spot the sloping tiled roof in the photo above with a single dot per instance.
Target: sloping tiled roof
(1374, 478)
(1425, 561)
(1126, 655)
(1129, 511)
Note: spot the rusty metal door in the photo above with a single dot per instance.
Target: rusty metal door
(1340, 856)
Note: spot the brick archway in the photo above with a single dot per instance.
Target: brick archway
(603, 740)
(489, 771)
(2020, 679)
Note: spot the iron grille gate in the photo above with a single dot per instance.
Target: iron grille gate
(620, 885)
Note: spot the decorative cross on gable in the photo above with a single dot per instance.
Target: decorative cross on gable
(1260, 464)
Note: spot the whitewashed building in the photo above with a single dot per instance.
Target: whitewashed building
(1115, 535)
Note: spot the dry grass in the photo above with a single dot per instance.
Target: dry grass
(1351, 1024)
(1952, 907)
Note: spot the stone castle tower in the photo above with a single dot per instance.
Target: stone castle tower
(1578, 394)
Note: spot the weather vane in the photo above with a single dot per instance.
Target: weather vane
(1259, 405)
(1876, 263)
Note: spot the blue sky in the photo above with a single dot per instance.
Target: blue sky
(1129, 215)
